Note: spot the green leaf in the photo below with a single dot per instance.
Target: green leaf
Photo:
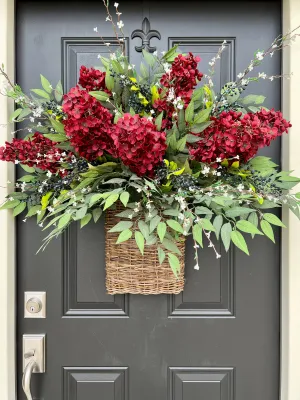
(140, 241)
(24, 113)
(239, 241)
(217, 223)
(238, 211)
(197, 234)
(161, 255)
(99, 95)
(111, 200)
(40, 216)
(125, 235)
(202, 116)
(174, 263)
(144, 71)
(55, 137)
(15, 114)
(64, 220)
(58, 126)
(10, 204)
(124, 198)
(253, 218)
(20, 207)
(161, 230)
(203, 210)
(248, 227)
(198, 128)
(85, 220)
(121, 226)
(252, 99)
(192, 138)
(58, 93)
(189, 112)
(175, 225)
(158, 121)
(170, 53)
(267, 230)
(27, 168)
(46, 84)
(273, 219)
(41, 93)
(109, 80)
(180, 145)
(154, 222)
(172, 212)
(27, 178)
(45, 200)
(144, 228)
(171, 246)
(81, 212)
(95, 198)
(206, 224)
(33, 210)
(97, 212)
(226, 235)
(149, 58)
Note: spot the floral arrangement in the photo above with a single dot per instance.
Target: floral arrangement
(180, 158)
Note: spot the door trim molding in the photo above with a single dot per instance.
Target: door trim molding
(290, 275)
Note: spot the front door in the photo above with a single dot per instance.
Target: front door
(219, 339)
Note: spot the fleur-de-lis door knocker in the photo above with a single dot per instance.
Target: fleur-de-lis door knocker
(145, 34)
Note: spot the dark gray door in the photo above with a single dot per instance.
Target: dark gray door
(219, 340)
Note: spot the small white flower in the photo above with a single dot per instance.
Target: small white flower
(224, 41)
(211, 63)
(31, 119)
(271, 78)
(218, 159)
(218, 173)
(152, 112)
(130, 216)
(17, 161)
(271, 54)
(116, 5)
(197, 267)
(240, 75)
(99, 56)
(244, 82)
(155, 53)
(136, 210)
(237, 157)
(39, 124)
(10, 198)
(163, 53)
(260, 55)
(74, 204)
(113, 93)
(240, 187)
(41, 224)
(180, 106)
(24, 220)
(119, 13)
(150, 118)
(274, 46)
(250, 67)
(83, 190)
(139, 190)
(107, 44)
(49, 174)
(95, 29)
(205, 170)
(51, 209)
(29, 130)
(120, 24)
(107, 18)
(218, 255)
(262, 75)
(113, 56)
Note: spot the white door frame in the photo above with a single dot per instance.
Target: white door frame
(290, 278)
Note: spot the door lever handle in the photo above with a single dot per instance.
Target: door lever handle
(33, 360)
(27, 375)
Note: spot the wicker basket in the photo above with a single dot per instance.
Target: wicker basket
(127, 271)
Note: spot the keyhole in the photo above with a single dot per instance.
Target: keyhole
(32, 309)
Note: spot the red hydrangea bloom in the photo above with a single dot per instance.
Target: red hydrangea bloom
(139, 145)
(91, 79)
(163, 105)
(38, 151)
(88, 124)
(183, 76)
(232, 134)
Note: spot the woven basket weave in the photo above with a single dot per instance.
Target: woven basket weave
(127, 271)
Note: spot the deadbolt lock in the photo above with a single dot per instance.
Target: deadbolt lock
(35, 305)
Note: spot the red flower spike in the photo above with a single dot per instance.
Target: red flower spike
(232, 135)
(139, 145)
(38, 152)
(88, 124)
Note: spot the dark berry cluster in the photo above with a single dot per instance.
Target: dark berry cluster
(265, 184)
(184, 182)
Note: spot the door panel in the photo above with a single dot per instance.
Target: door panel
(219, 339)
